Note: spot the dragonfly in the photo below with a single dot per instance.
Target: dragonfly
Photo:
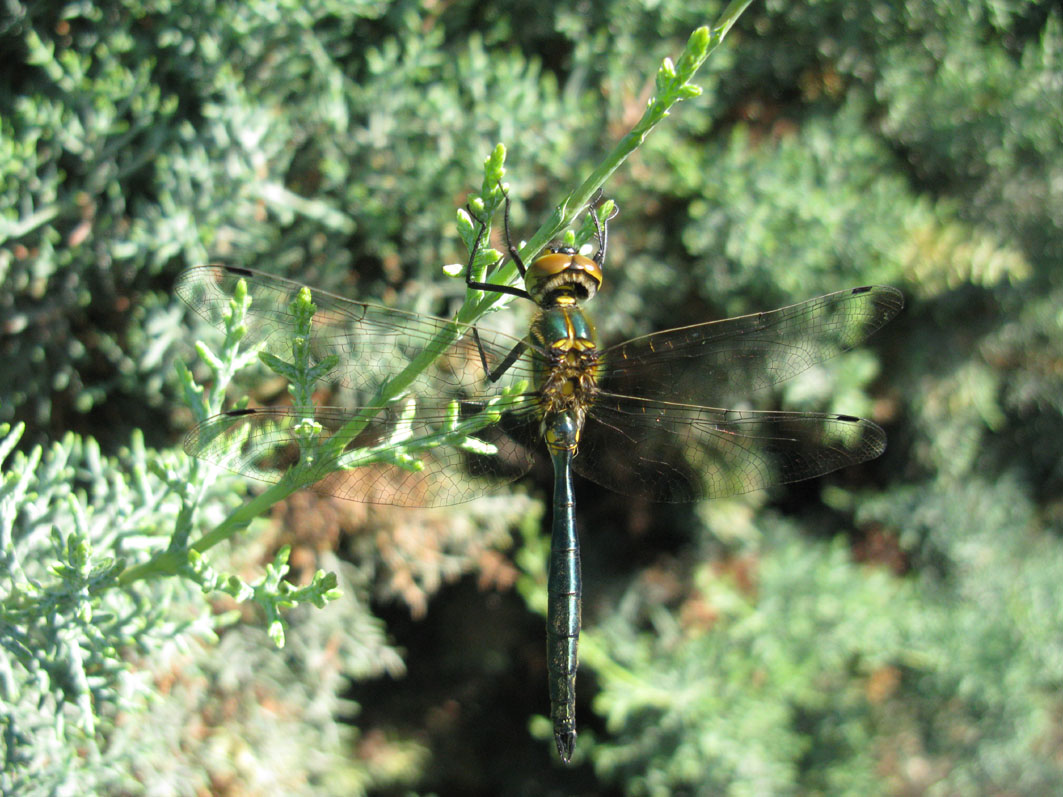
(469, 406)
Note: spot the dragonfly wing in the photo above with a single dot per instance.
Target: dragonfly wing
(437, 470)
(721, 362)
(371, 342)
(677, 453)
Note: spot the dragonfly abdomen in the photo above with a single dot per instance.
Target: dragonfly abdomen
(564, 594)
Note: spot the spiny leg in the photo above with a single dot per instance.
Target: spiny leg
(513, 253)
(496, 374)
(601, 232)
(490, 287)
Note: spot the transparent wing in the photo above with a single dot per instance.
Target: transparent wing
(372, 342)
(721, 362)
(452, 453)
(676, 452)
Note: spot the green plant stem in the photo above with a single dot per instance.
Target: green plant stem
(394, 387)
(170, 561)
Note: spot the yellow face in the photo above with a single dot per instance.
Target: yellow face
(564, 271)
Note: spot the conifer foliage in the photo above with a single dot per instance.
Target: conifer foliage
(894, 628)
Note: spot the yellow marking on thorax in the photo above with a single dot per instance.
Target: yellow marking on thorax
(570, 342)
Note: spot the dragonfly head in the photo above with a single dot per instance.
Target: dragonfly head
(562, 276)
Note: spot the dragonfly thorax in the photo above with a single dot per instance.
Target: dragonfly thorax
(566, 371)
(562, 276)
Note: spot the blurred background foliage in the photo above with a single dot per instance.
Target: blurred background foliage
(893, 629)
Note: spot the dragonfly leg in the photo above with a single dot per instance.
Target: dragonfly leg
(505, 365)
(489, 287)
(601, 232)
(513, 253)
